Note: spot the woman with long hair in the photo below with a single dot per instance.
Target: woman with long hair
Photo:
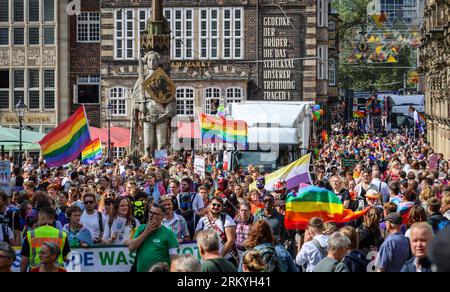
(261, 240)
(121, 224)
(370, 238)
(416, 214)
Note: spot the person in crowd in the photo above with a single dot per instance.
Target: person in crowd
(394, 251)
(78, 235)
(7, 257)
(48, 255)
(121, 225)
(380, 186)
(439, 252)
(255, 201)
(420, 238)
(225, 227)
(173, 221)
(185, 263)
(435, 219)
(153, 242)
(160, 267)
(314, 248)
(355, 259)
(365, 185)
(369, 233)
(196, 199)
(209, 248)
(338, 246)
(445, 206)
(339, 191)
(92, 219)
(244, 221)
(9, 222)
(416, 214)
(203, 191)
(272, 217)
(252, 261)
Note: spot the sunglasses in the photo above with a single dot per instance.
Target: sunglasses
(89, 202)
(216, 205)
(268, 201)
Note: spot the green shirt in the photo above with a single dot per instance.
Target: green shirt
(330, 265)
(155, 248)
(218, 265)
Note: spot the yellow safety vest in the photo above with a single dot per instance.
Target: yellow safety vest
(42, 234)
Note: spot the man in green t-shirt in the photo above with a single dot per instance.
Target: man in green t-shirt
(153, 241)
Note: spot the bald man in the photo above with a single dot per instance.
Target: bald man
(421, 236)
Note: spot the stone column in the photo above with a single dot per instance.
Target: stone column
(149, 137)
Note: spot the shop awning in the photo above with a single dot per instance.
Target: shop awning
(120, 137)
(9, 138)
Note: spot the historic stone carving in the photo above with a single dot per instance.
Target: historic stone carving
(49, 57)
(4, 57)
(18, 57)
(34, 57)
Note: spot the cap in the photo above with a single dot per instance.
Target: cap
(372, 194)
(394, 218)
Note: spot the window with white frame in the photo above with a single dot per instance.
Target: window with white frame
(144, 15)
(322, 63)
(87, 90)
(183, 28)
(49, 89)
(234, 95)
(4, 11)
(4, 89)
(124, 34)
(19, 86)
(4, 36)
(322, 13)
(49, 10)
(185, 101)
(332, 72)
(203, 38)
(49, 35)
(232, 33)
(119, 152)
(19, 33)
(34, 95)
(18, 6)
(33, 36)
(33, 10)
(212, 100)
(88, 27)
(118, 101)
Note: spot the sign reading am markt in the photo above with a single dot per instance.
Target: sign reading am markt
(280, 43)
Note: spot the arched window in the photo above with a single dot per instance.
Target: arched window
(332, 72)
(234, 94)
(185, 101)
(212, 100)
(331, 26)
(118, 100)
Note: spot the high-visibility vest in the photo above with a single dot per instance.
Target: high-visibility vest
(38, 236)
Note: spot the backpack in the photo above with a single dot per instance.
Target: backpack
(269, 256)
(443, 224)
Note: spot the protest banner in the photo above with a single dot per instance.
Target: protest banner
(199, 165)
(161, 159)
(5, 176)
(105, 258)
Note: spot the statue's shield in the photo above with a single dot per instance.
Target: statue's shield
(160, 86)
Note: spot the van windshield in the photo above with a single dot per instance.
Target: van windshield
(265, 161)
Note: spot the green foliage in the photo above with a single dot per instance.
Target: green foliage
(351, 10)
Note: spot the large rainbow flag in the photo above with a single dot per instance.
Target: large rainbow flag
(220, 130)
(92, 152)
(65, 143)
(294, 174)
(312, 201)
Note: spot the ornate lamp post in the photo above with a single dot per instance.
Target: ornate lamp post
(20, 112)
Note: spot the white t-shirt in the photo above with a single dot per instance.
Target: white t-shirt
(197, 203)
(8, 232)
(91, 223)
(228, 222)
(123, 235)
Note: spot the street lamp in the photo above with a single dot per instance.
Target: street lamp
(20, 112)
(109, 111)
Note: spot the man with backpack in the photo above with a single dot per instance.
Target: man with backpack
(92, 219)
(225, 227)
(9, 222)
(436, 220)
(196, 199)
(314, 248)
(338, 245)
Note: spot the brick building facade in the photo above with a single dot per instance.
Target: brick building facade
(84, 75)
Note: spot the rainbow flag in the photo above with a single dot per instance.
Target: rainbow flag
(313, 201)
(92, 152)
(294, 174)
(359, 114)
(216, 129)
(65, 143)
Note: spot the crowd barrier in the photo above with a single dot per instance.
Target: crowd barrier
(112, 258)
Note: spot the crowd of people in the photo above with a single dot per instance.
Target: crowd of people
(152, 210)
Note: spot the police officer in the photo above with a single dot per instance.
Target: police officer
(46, 232)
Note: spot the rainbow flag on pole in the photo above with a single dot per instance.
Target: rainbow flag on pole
(313, 201)
(92, 152)
(65, 143)
(359, 114)
(220, 130)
